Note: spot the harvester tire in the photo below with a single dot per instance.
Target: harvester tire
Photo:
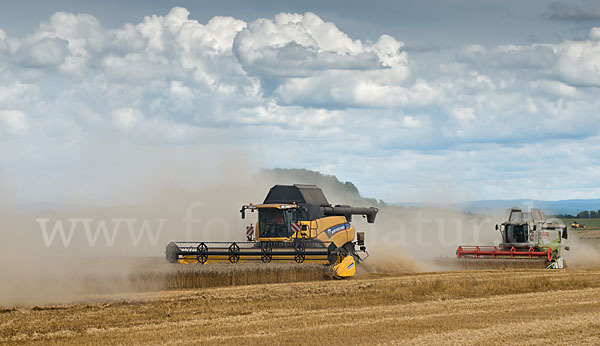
(300, 251)
(348, 249)
(172, 253)
(266, 253)
(202, 253)
(555, 254)
(332, 256)
(234, 253)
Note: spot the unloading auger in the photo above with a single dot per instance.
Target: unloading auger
(297, 224)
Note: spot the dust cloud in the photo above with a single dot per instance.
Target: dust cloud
(162, 197)
(582, 253)
(51, 252)
(406, 239)
(78, 243)
(425, 239)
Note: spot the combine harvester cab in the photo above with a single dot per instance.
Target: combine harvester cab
(295, 224)
(527, 241)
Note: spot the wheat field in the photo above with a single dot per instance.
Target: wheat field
(470, 307)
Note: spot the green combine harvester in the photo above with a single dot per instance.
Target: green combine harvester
(528, 240)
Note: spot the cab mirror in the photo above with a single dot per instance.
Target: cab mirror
(243, 211)
(565, 234)
(496, 227)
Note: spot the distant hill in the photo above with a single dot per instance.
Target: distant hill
(345, 192)
(335, 190)
(568, 206)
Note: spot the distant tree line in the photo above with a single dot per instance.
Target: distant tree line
(585, 214)
(588, 214)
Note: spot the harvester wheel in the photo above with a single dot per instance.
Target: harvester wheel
(234, 253)
(266, 253)
(554, 254)
(349, 250)
(202, 250)
(332, 255)
(300, 255)
(172, 253)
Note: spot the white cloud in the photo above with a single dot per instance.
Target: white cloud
(555, 87)
(298, 81)
(47, 52)
(293, 45)
(373, 94)
(595, 33)
(17, 94)
(126, 118)
(14, 121)
(578, 63)
(463, 114)
(312, 62)
(575, 62)
(180, 91)
(410, 122)
(83, 33)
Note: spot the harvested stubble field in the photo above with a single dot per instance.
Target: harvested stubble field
(472, 307)
(67, 280)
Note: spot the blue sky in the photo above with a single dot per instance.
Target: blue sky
(412, 101)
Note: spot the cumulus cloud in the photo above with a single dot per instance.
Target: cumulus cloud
(575, 62)
(578, 63)
(68, 41)
(288, 82)
(595, 33)
(410, 122)
(293, 45)
(556, 88)
(314, 63)
(126, 118)
(46, 52)
(13, 121)
(17, 94)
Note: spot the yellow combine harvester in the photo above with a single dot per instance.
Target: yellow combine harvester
(296, 223)
(577, 225)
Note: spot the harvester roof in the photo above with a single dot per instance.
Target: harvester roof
(313, 204)
(517, 216)
(297, 193)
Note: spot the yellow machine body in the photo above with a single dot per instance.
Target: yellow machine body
(346, 268)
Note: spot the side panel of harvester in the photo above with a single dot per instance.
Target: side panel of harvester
(335, 229)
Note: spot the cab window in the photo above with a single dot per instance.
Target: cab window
(517, 233)
(276, 223)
